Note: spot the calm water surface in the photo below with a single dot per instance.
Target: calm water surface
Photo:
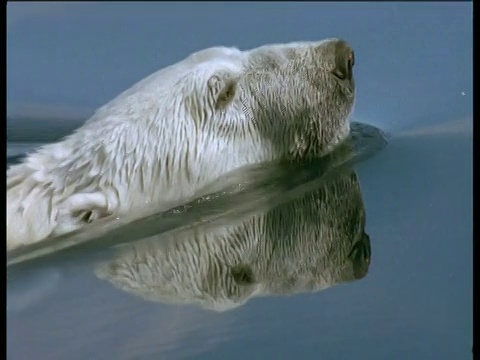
(381, 265)
(239, 287)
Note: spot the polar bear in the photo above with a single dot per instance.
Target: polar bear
(174, 132)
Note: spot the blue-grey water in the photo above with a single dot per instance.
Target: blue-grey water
(404, 293)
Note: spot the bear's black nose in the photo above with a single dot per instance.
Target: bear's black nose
(344, 60)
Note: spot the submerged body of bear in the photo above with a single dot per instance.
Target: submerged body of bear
(159, 142)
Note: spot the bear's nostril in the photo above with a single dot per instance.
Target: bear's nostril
(344, 60)
(351, 60)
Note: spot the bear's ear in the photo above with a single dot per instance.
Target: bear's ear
(222, 89)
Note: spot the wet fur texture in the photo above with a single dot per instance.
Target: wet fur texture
(159, 142)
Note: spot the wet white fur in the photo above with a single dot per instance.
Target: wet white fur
(131, 153)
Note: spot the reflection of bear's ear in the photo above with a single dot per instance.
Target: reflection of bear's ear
(222, 90)
(242, 274)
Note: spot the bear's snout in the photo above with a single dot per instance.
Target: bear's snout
(344, 60)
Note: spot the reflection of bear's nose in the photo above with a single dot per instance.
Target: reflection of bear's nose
(344, 60)
(361, 255)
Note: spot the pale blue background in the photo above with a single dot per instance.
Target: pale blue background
(413, 59)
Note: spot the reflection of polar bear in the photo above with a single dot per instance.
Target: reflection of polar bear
(305, 245)
(157, 143)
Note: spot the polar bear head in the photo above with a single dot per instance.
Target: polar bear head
(222, 108)
(181, 128)
(290, 100)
